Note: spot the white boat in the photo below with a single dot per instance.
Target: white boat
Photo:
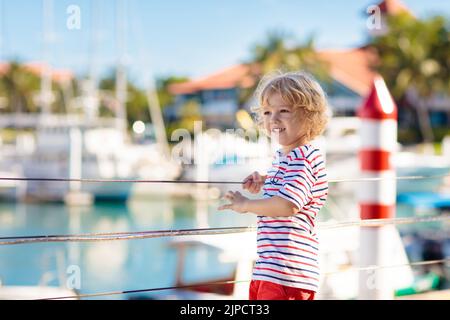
(226, 157)
(413, 164)
(10, 166)
(101, 151)
(35, 292)
(341, 143)
(232, 158)
(42, 290)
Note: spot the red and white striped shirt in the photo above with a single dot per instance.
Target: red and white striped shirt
(288, 246)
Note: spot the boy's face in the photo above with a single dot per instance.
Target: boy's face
(282, 122)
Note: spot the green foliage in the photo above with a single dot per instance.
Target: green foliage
(189, 113)
(162, 85)
(408, 136)
(440, 133)
(412, 136)
(414, 60)
(137, 103)
(414, 54)
(280, 51)
(18, 86)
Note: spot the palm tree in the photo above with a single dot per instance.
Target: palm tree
(19, 86)
(162, 86)
(279, 52)
(3, 94)
(136, 103)
(414, 61)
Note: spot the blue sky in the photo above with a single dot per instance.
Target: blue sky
(190, 38)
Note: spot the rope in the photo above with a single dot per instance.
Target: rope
(383, 222)
(100, 294)
(122, 235)
(391, 178)
(208, 231)
(207, 182)
(204, 231)
(117, 180)
(412, 264)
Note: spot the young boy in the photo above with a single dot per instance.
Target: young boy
(293, 110)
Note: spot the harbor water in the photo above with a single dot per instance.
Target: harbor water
(133, 264)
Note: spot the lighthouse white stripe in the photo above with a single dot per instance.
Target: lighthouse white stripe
(378, 192)
(379, 134)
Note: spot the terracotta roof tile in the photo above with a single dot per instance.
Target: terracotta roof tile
(58, 75)
(393, 7)
(235, 76)
(351, 67)
(3, 67)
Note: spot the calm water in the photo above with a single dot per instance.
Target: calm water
(112, 265)
(119, 265)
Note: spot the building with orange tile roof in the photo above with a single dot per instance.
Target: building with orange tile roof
(218, 93)
(350, 71)
(393, 7)
(58, 75)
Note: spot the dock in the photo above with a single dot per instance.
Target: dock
(432, 295)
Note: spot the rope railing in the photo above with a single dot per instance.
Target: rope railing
(208, 231)
(122, 235)
(88, 180)
(372, 268)
(383, 222)
(89, 237)
(110, 293)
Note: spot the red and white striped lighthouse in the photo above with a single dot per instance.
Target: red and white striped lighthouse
(377, 198)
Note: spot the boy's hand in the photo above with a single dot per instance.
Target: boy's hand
(254, 182)
(238, 202)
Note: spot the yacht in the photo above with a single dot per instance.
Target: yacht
(71, 147)
(232, 158)
(35, 292)
(341, 143)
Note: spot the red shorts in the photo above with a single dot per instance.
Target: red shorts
(265, 290)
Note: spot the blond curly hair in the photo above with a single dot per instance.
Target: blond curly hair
(301, 91)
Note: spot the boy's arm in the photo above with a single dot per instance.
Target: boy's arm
(270, 207)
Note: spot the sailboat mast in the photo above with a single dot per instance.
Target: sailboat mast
(154, 106)
(121, 76)
(157, 118)
(2, 28)
(46, 73)
(91, 102)
(95, 14)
